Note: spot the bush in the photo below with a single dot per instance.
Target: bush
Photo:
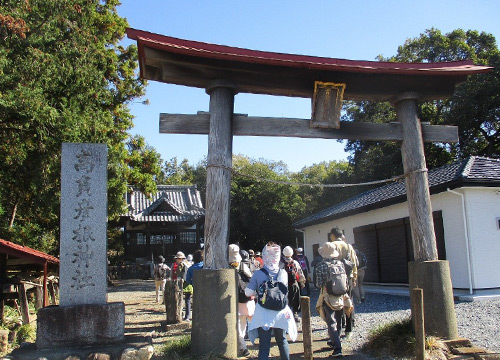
(394, 340)
(26, 333)
(177, 349)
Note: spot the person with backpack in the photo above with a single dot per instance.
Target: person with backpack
(359, 289)
(272, 313)
(179, 271)
(296, 280)
(333, 300)
(348, 256)
(161, 274)
(304, 265)
(246, 304)
(247, 261)
(197, 265)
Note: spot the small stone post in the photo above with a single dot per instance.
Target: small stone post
(305, 305)
(417, 299)
(173, 300)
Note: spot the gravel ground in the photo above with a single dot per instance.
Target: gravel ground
(478, 321)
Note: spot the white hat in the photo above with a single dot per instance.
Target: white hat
(287, 251)
(328, 251)
(300, 250)
(234, 253)
(179, 255)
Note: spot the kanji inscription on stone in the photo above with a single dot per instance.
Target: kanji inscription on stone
(83, 248)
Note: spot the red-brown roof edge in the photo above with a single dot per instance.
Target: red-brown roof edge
(25, 252)
(201, 49)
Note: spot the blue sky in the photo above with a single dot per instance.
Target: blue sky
(356, 30)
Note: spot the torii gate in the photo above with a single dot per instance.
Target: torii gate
(224, 71)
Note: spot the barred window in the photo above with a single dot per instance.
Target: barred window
(140, 238)
(168, 239)
(156, 239)
(188, 237)
(162, 239)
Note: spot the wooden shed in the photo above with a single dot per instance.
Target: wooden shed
(19, 267)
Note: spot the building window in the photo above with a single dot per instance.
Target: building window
(162, 239)
(168, 239)
(140, 238)
(188, 237)
(156, 239)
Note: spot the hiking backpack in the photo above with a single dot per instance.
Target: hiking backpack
(348, 263)
(160, 272)
(293, 273)
(243, 280)
(336, 279)
(362, 261)
(272, 294)
(302, 262)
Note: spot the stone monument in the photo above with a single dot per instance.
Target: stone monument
(83, 316)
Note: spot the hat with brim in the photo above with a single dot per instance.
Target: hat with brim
(234, 254)
(179, 255)
(328, 251)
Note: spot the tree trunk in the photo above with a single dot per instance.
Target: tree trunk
(13, 214)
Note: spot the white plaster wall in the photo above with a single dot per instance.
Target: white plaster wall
(483, 210)
(483, 207)
(450, 205)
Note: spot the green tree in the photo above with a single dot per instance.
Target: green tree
(142, 161)
(63, 78)
(474, 107)
(262, 211)
(317, 198)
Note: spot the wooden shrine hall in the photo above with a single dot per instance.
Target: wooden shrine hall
(225, 71)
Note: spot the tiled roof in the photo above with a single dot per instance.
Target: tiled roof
(171, 204)
(473, 171)
(24, 252)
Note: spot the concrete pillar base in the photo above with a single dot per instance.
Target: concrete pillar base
(215, 313)
(433, 277)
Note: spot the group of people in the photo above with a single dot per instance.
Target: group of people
(182, 268)
(270, 286)
(337, 275)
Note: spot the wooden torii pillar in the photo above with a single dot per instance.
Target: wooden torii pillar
(196, 64)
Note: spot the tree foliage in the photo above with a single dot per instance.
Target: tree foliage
(264, 202)
(63, 78)
(475, 106)
(262, 211)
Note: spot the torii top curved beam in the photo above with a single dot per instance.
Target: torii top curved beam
(196, 64)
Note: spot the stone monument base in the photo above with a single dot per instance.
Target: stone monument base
(80, 325)
(131, 348)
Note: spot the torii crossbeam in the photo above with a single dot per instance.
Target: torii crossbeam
(224, 71)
